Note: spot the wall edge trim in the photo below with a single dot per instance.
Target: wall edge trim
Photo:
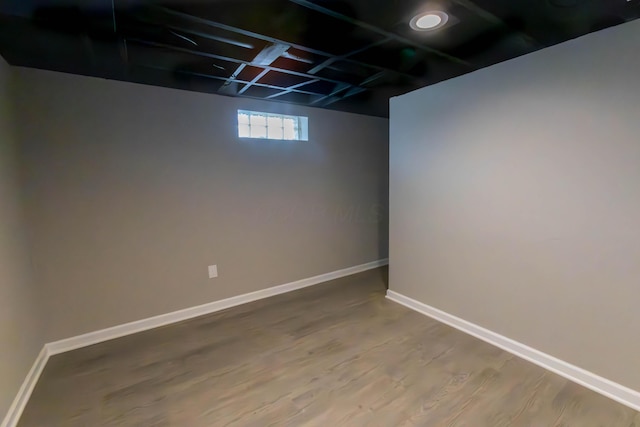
(601, 385)
(56, 347)
(95, 337)
(24, 393)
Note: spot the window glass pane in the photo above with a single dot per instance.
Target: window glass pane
(243, 118)
(290, 128)
(258, 131)
(274, 132)
(258, 120)
(274, 127)
(244, 131)
(274, 121)
(255, 124)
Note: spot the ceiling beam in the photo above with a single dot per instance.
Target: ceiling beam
(350, 92)
(355, 90)
(211, 37)
(254, 80)
(296, 58)
(229, 59)
(269, 54)
(323, 64)
(236, 30)
(339, 88)
(291, 89)
(184, 29)
(208, 76)
(342, 57)
(230, 86)
(374, 29)
(373, 78)
(222, 78)
(265, 57)
(214, 24)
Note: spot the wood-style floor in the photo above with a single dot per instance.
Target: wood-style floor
(337, 354)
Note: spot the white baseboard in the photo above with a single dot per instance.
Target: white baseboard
(95, 337)
(68, 344)
(608, 388)
(21, 399)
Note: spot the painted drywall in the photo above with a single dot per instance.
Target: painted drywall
(514, 200)
(134, 190)
(20, 339)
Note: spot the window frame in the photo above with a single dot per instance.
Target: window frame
(301, 124)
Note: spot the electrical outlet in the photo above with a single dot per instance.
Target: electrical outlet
(213, 271)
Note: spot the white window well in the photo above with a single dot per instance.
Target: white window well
(254, 124)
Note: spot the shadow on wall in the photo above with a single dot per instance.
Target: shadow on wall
(383, 200)
(384, 275)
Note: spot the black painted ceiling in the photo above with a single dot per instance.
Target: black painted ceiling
(348, 55)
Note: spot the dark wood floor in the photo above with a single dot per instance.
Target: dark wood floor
(337, 354)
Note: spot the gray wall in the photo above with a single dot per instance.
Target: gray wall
(20, 340)
(515, 200)
(133, 190)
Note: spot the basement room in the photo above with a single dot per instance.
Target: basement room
(319, 213)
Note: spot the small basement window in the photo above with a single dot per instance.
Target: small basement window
(254, 124)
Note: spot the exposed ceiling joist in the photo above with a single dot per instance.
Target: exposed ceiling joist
(351, 92)
(269, 54)
(206, 76)
(230, 86)
(291, 50)
(373, 78)
(225, 40)
(330, 61)
(187, 30)
(228, 59)
(292, 89)
(289, 55)
(265, 57)
(338, 88)
(254, 80)
(346, 58)
(209, 76)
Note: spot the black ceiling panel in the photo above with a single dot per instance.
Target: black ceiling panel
(348, 55)
(320, 87)
(298, 98)
(282, 79)
(260, 91)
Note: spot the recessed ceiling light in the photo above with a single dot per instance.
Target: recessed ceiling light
(429, 21)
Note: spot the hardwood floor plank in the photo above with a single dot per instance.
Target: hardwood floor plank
(337, 354)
